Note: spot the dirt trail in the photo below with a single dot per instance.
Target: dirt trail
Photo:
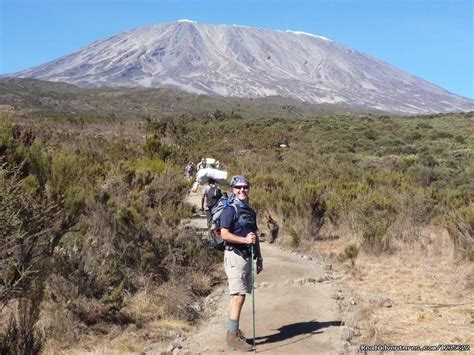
(296, 307)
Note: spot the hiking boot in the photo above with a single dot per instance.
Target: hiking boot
(237, 341)
(241, 335)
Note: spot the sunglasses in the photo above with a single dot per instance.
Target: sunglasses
(241, 187)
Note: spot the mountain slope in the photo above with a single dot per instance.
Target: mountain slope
(235, 61)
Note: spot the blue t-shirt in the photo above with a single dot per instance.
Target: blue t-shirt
(246, 223)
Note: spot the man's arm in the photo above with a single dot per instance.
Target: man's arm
(230, 237)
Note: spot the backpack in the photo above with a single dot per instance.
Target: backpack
(216, 241)
(213, 194)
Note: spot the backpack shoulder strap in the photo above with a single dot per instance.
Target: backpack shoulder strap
(236, 209)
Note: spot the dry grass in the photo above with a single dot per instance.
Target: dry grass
(152, 326)
(432, 294)
(159, 313)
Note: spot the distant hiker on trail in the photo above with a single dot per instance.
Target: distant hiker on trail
(211, 195)
(202, 164)
(238, 235)
(190, 170)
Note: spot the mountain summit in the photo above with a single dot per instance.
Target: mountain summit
(238, 61)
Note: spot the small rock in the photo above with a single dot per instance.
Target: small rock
(178, 343)
(196, 306)
(301, 281)
(155, 348)
(353, 319)
(173, 334)
(264, 284)
(209, 301)
(352, 302)
(387, 303)
(288, 282)
(311, 280)
(323, 278)
(382, 301)
(307, 257)
(176, 351)
(347, 334)
(170, 348)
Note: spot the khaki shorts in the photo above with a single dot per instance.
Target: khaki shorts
(237, 270)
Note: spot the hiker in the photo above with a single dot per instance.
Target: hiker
(202, 164)
(238, 235)
(211, 195)
(190, 170)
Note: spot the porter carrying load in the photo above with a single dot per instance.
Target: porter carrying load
(204, 175)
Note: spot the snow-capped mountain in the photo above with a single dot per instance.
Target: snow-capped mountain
(230, 60)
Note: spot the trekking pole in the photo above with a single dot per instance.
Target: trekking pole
(252, 271)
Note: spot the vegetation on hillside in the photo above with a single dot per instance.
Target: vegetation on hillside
(87, 228)
(383, 178)
(66, 100)
(91, 205)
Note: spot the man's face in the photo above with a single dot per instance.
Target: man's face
(242, 192)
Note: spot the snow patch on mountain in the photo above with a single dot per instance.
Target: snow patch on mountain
(186, 20)
(308, 34)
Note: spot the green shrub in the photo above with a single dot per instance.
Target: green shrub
(374, 234)
(6, 138)
(38, 164)
(74, 201)
(127, 215)
(295, 238)
(460, 225)
(65, 172)
(350, 252)
(154, 166)
(30, 184)
(152, 146)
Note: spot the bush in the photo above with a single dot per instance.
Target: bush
(31, 225)
(21, 337)
(350, 252)
(460, 225)
(65, 172)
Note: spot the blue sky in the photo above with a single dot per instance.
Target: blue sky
(432, 39)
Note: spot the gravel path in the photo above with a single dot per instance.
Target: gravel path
(296, 308)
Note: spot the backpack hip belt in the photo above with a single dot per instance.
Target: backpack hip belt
(242, 253)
